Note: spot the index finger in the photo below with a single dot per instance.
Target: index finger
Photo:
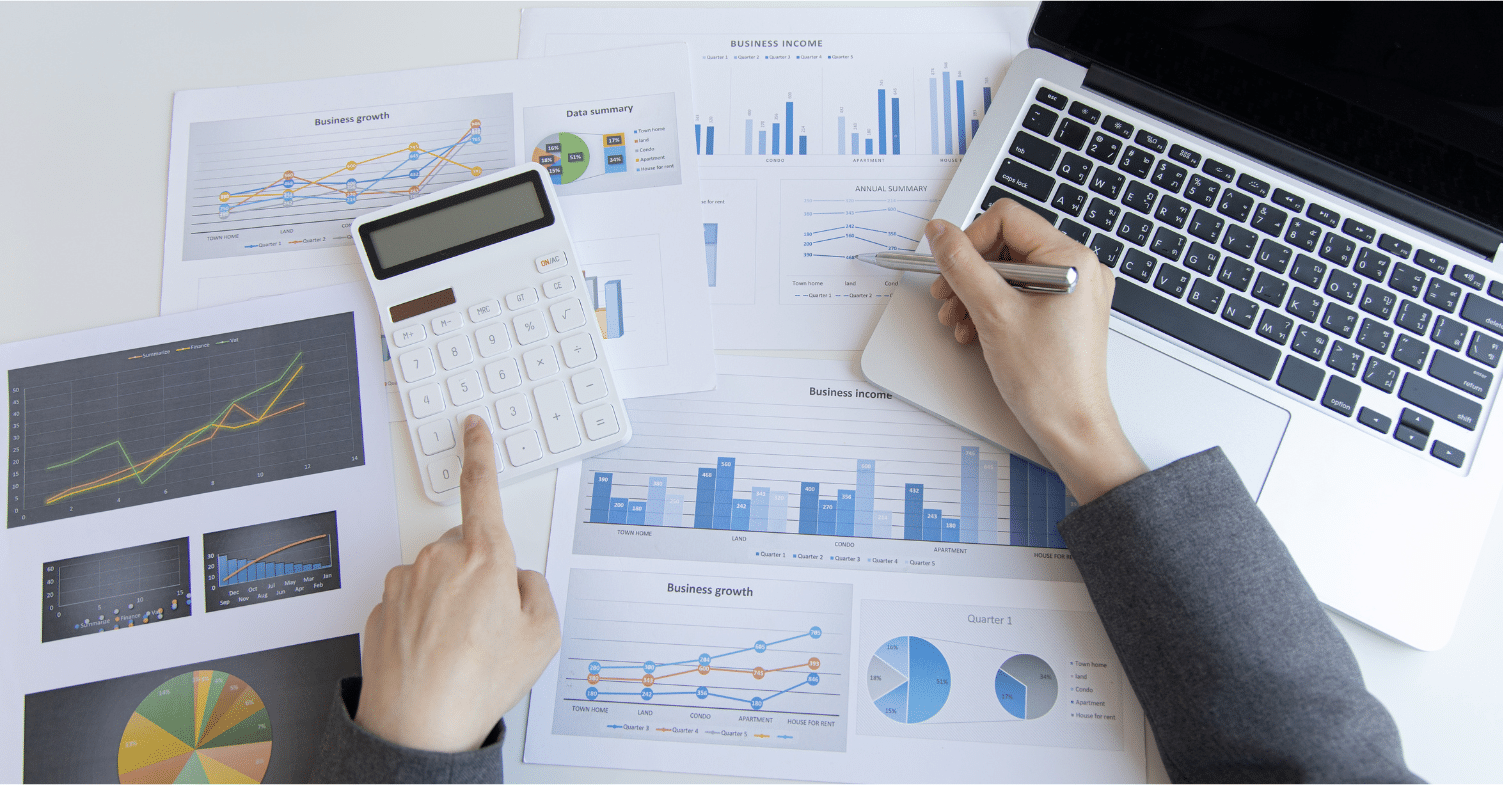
(1028, 235)
(479, 494)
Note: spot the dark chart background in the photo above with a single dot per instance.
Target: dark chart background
(194, 416)
(73, 734)
(143, 584)
(317, 553)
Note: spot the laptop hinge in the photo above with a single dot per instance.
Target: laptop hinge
(1426, 215)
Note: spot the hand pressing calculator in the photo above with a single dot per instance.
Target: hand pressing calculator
(483, 305)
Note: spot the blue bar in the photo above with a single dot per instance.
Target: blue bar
(762, 142)
(1038, 512)
(712, 246)
(949, 530)
(749, 134)
(618, 510)
(855, 143)
(1017, 506)
(808, 508)
(777, 137)
(932, 524)
(615, 326)
(970, 493)
(657, 495)
(614, 147)
(600, 498)
(913, 511)
(803, 145)
(741, 515)
(696, 139)
(882, 120)
(868, 146)
(725, 482)
(933, 117)
(1055, 490)
(827, 524)
(840, 137)
(975, 126)
(219, 570)
(895, 148)
(866, 490)
(636, 513)
(986, 100)
(704, 500)
(949, 137)
(959, 114)
(710, 140)
(845, 513)
(759, 503)
(788, 127)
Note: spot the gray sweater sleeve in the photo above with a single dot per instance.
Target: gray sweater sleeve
(1240, 672)
(350, 753)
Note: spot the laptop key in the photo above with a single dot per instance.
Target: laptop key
(1040, 120)
(1269, 219)
(1343, 286)
(1106, 182)
(993, 195)
(1439, 401)
(1447, 453)
(1324, 215)
(1373, 420)
(1431, 262)
(1187, 157)
(1134, 229)
(1034, 150)
(1411, 352)
(1072, 134)
(1253, 185)
(1443, 294)
(1235, 205)
(1240, 311)
(1308, 271)
(1102, 214)
(1069, 199)
(1463, 275)
(1239, 241)
(1169, 176)
(1075, 168)
(1381, 374)
(1345, 358)
(1413, 317)
(1337, 249)
(1311, 343)
(1372, 264)
(1452, 334)
(1051, 98)
(1461, 374)
(1483, 313)
(1375, 335)
(1121, 128)
(1202, 191)
(1270, 289)
(1410, 436)
(1086, 113)
(1026, 180)
(1406, 279)
(1378, 302)
(1152, 141)
(1495, 290)
(1301, 378)
(1201, 259)
(1167, 244)
(1417, 421)
(1395, 246)
(1048, 215)
(1274, 256)
(1140, 196)
(1107, 250)
(1288, 200)
(1304, 234)
(1485, 349)
(1171, 281)
(1138, 265)
(1206, 226)
(1074, 231)
(1275, 327)
(1136, 162)
(1341, 396)
(1103, 148)
(1206, 296)
(1235, 274)
(1218, 170)
(1305, 304)
(1173, 212)
(1202, 332)
(1339, 320)
(1359, 230)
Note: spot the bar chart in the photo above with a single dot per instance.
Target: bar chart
(271, 561)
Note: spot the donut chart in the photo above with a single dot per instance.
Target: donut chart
(201, 727)
(564, 155)
(1026, 687)
(908, 679)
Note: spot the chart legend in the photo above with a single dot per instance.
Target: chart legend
(271, 561)
(115, 590)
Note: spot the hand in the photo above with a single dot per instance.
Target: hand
(1046, 352)
(461, 633)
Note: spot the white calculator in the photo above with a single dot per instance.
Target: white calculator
(483, 305)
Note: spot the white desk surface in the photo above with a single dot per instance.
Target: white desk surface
(85, 106)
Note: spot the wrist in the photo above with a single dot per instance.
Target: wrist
(1091, 453)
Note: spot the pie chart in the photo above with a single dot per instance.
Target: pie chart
(909, 679)
(1026, 687)
(564, 155)
(201, 727)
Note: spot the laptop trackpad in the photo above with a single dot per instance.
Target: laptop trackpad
(1170, 410)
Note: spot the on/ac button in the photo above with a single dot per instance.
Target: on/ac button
(551, 261)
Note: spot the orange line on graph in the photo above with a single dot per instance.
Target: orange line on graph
(224, 578)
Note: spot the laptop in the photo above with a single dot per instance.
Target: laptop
(1303, 207)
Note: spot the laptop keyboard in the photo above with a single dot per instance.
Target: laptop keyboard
(1347, 317)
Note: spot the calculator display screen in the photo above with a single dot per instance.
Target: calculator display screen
(448, 228)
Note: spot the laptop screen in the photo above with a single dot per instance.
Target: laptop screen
(1408, 94)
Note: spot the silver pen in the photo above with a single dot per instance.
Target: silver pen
(1045, 278)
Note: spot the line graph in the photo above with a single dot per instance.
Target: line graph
(826, 224)
(193, 416)
(709, 660)
(291, 182)
(271, 561)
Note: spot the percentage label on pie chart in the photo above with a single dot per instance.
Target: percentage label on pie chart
(1026, 687)
(564, 155)
(908, 679)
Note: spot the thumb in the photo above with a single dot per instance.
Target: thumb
(973, 280)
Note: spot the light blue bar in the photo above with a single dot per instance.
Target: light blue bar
(866, 488)
(748, 135)
(933, 116)
(777, 512)
(882, 523)
(949, 137)
(777, 137)
(855, 143)
(712, 246)
(657, 494)
(970, 497)
(882, 121)
(986, 517)
(762, 142)
(615, 321)
(673, 510)
(760, 499)
(840, 137)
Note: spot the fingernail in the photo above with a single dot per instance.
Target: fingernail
(934, 230)
(471, 421)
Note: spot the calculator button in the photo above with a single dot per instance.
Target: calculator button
(540, 362)
(530, 327)
(512, 411)
(435, 437)
(482, 412)
(489, 309)
(455, 352)
(557, 417)
(502, 375)
(407, 336)
(444, 474)
(446, 323)
(427, 400)
(493, 340)
(578, 350)
(524, 448)
(567, 315)
(522, 299)
(589, 386)
(600, 422)
(417, 364)
(552, 261)
(558, 287)
(465, 388)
